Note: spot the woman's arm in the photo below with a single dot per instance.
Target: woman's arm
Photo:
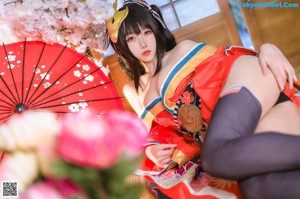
(159, 154)
(132, 97)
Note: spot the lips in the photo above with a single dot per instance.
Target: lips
(146, 53)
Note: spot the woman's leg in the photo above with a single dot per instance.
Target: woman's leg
(277, 185)
(283, 117)
(230, 149)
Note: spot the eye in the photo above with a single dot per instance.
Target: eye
(130, 38)
(148, 32)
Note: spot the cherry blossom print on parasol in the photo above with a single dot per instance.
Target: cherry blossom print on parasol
(39, 76)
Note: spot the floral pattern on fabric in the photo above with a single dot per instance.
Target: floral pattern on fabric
(189, 97)
(203, 85)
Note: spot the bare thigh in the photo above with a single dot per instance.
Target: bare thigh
(246, 71)
(283, 118)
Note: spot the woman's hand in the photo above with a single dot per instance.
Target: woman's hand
(271, 57)
(160, 154)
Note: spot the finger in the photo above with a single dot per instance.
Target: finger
(291, 69)
(293, 72)
(280, 79)
(167, 146)
(166, 160)
(290, 78)
(284, 75)
(289, 74)
(295, 77)
(163, 163)
(166, 153)
(264, 66)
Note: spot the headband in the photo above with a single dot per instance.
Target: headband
(114, 23)
(146, 5)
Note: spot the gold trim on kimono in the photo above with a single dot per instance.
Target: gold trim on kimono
(182, 69)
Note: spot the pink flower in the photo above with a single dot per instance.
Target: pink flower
(66, 188)
(53, 189)
(41, 190)
(128, 131)
(98, 141)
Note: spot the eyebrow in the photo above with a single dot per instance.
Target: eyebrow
(141, 28)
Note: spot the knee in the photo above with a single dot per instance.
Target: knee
(213, 163)
(259, 187)
(209, 164)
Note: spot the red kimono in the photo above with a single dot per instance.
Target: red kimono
(181, 115)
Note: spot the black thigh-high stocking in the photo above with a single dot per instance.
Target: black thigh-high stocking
(277, 185)
(232, 151)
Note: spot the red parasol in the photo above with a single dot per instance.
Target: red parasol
(35, 75)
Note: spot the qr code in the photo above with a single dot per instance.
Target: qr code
(9, 189)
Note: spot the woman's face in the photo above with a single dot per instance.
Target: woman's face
(142, 45)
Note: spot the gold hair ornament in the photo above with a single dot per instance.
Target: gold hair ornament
(114, 23)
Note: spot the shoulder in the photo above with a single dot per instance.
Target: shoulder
(183, 47)
(179, 51)
(186, 45)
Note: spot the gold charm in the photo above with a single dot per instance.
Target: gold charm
(189, 117)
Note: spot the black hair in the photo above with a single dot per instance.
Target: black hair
(140, 17)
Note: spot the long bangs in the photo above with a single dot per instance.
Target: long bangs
(137, 18)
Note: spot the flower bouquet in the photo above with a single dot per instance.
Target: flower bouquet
(84, 155)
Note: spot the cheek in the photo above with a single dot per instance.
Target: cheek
(154, 47)
(132, 48)
(153, 42)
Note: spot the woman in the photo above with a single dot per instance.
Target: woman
(172, 82)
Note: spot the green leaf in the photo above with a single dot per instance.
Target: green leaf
(102, 183)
